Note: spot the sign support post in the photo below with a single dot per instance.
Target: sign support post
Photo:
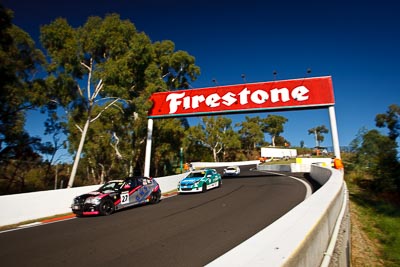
(335, 136)
(148, 148)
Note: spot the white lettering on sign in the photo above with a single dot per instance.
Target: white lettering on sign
(259, 97)
(283, 93)
(212, 100)
(229, 99)
(300, 93)
(174, 104)
(243, 96)
(196, 100)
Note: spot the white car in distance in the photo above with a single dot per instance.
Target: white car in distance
(231, 171)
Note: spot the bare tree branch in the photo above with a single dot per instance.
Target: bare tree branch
(98, 89)
(101, 112)
(79, 128)
(86, 66)
(80, 91)
(115, 146)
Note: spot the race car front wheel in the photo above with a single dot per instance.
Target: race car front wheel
(106, 207)
(204, 188)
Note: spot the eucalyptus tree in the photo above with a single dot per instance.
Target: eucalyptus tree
(302, 143)
(390, 119)
(281, 141)
(20, 92)
(375, 158)
(318, 134)
(273, 125)
(216, 134)
(192, 148)
(102, 147)
(232, 146)
(20, 89)
(107, 64)
(56, 129)
(169, 140)
(251, 133)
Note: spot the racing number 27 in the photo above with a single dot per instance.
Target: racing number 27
(124, 198)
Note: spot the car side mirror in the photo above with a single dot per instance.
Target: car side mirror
(127, 186)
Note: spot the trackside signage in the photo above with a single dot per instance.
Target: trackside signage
(243, 98)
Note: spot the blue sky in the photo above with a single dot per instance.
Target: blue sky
(355, 42)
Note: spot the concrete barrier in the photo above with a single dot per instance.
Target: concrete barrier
(170, 183)
(303, 236)
(275, 167)
(301, 165)
(199, 165)
(31, 206)
(324, 162)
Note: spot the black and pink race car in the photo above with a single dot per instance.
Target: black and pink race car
(117, 194)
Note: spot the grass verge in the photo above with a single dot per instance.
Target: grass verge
(375, 229)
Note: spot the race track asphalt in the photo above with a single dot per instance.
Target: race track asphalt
(185, 230)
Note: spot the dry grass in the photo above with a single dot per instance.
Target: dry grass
(364, 251)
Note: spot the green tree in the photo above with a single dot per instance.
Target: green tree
(318, 134)
(376, 155)
(232, 145)
(21, 159)
(274, 126)
(104, 159)
(193, 149)
(121, 69)
(281, 141)
(391, 120)
(251, 134)
(167, 144)
(20, 91)
(359, 160)
(216, 134)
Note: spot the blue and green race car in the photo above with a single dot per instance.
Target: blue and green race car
(200, 181)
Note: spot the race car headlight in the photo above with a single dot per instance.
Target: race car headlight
(92, 200)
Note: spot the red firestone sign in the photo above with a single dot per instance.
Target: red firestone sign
(304, 93)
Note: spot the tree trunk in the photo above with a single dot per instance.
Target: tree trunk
(78, 154)
(215, 154)
(316, 138)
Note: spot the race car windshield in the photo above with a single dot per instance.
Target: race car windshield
(196, 174)
(111, 186)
